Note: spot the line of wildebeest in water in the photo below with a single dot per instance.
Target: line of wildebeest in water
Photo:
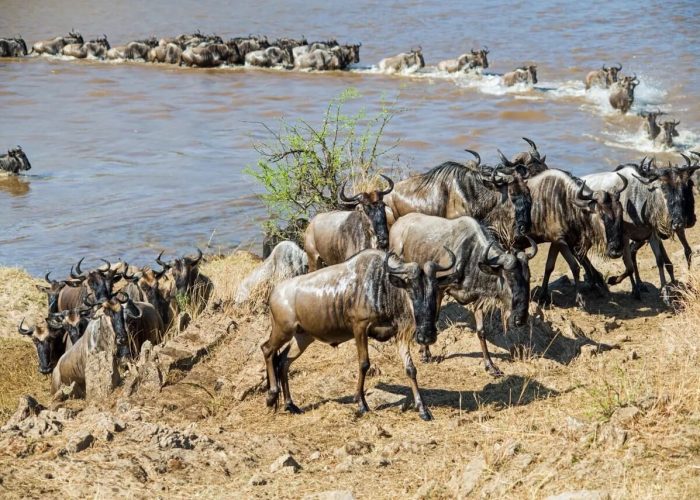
(381, 264)
(207, 51)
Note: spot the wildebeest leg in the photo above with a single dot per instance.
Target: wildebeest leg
(544, 297)
(411, 372)
(630, 269)
(360, 335)
(575, 270)
(687, 251)
(424, 350)
(296, 348)
(594, 277)
(277, 339)
(489, 365)
(661, 264)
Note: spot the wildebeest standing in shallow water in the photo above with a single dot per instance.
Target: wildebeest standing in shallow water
(409, 62)
(524, 74)
(364, 297)
(12, 47)
(603, 77)
(14, 162)
(54, 46)
(622, 93)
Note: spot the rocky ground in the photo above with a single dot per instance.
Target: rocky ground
(603, 403)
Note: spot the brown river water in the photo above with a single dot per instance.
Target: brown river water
(131, 158)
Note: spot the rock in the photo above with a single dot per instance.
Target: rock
(612, 435)
(574, 425)
(101, 374)
(175, 439)
(79, 442)
(285, 463)
(626, 414)
(27, 407)
(331, 495)
(465, 480)
(314, 456)
(67, 392)
(580, 495)
(257, 480)
(377, 398)
(354, 448)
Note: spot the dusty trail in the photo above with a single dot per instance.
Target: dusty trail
(606, 401)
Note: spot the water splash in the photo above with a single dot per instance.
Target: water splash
(687, 140)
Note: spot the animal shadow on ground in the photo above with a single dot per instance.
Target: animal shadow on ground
(619, 303)
(539, 339)
(513, 390)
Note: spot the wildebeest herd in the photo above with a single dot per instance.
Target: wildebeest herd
(468, 230)
(84, 310)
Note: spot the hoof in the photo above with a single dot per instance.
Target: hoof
(425, 414)
(293, 409)
(362, 409)
(271, 400)
(494, 371)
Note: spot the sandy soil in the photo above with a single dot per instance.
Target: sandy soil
(604, 402)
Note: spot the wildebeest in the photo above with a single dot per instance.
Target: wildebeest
(364, 297)
(486, 275)
(147, 325)
(334, 58)
(96, 49)
(657, 204)
(622, 93)
(524, 74)
(107, 324)
(15, 161)
(574, 219)
(305, 49)
(49, 343)
(499, 200)
(407, 62)
(333, 237)
(250, 44)
(188, 281)
(271, 57)
(603, 77)
(651, 127)
(52, 291)
(154, 288)
(207, 56)
(471, 60)
(95, 284)
(169, 52)
(12, 47)
(54, 46)
(138, 49)
(668, 132)
(73, 323)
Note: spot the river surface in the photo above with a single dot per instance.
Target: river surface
(129, 159)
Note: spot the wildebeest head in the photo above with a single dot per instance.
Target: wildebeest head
(513, 185)
(423, 286)
(670, 131)
(20, 157)
(117, 308)
(47, 341)
(514, 270)
(607, 205)
(629, 83)
(99, 281)
(527, 163)
(74, 37)
(102, 41)
(676, 186)
(650, 124)
(20, 41)
(478, 58)
(184, 271)
(352, 53)
(73, 322)
(148, 281)
(611, 73)
(532, 72)
(372, 204)
(52, 290)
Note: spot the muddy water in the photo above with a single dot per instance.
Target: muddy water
(132, 158)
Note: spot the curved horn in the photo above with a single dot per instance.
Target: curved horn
(389, 268)
(506, 162)
(485, 256)
(77, 268)
(24, 331)
(531, 143)
(74, 275)
(391, 186)
(619, 67)
(47, 278)
(642, 180)
(123, 294)
(532, 251)
(581, 199)
(125, 272)
(109, 265)
(89, 303)
(687, 160)
(196, 260)
(453, 260)
(162, 264)
(625, 182)
(476, 155)
(344, 199)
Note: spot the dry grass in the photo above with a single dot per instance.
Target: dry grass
(20, 376)
(19, 298)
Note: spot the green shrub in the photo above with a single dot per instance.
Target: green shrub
(301, 167)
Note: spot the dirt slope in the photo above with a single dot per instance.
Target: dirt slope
(605, 400)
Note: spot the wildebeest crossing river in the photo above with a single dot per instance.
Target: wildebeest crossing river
(130, 158)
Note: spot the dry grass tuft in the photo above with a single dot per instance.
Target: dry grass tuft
(19, 298)
(18, 366)
(226, 275)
